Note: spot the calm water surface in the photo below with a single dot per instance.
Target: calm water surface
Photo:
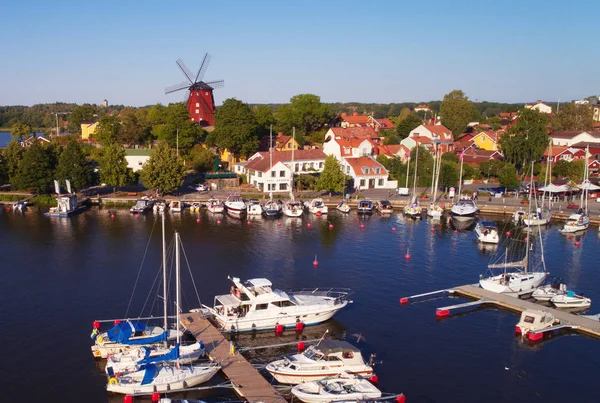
(60, 274)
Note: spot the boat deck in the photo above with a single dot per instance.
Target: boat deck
(584, 325)
(246, 380)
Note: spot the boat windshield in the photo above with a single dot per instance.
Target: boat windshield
(529, 319)
(313, 354)
(141, 203)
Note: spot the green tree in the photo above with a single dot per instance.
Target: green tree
(108, 130)
(526, 140)
(177, 129)
(201, 158)
(574, 117)
(305, 112)
(407, 125)
(73, 165)
(20, 131)
(3, 170)
(13, 154)
(395, 167)
(35, 170)
(164, 170)
(508, 177)
(449, 174)
(561, 168)
(235, 128)
(113, 166)
(456, 111)
(135, 128)
(332, 178)
(264, 119)
(392, 138)
(424, 166)
(80, 114)
(575, 171)
(450, 157)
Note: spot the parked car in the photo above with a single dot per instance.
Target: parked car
(201, 187)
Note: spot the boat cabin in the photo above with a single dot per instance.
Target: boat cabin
(534, 320)
(66, 203)
(334, 352)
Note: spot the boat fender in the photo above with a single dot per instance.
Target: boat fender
(374, 379)
(155, 397)
(113, 381)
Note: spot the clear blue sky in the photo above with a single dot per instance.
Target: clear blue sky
(269, 51)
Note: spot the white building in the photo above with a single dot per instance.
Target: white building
(350, 142)
(367, 173)
(136, 158)
(570, 138)
(540, 107)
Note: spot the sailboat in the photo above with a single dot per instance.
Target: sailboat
(580, 220)
(413, 209)
(272, 208)
(520, 280)
(542, 214)
(292, 207)
(160, 377)
(464, 209)
(435, 210)
(132, 360)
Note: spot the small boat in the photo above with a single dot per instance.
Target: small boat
(142, 205)
(336, 389)
(571, 300)
(253, 207)
(215, 206)
(195, 207)
(326, 359)
(235, 204)
(413, 209)
(19, 206)
(464, 209)
(435, 210)
(546, 292)
(160, 206)
(67, 205)
(532, 319)
(133, 360)
(272, 208)
(316, 206)
(365, 206)
(576, 222)
(255, 305)
(293, 208)
(542, 216)
(487, 232)
(176, 206)
(343, 207)
(384, 207)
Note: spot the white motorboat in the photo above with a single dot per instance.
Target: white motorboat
(435, 210)
(413, 209)
(384, 207)
(19, 206)
(161, 378)
(195, 207)
(576, 222)
(176, 206)
(532, 319)
(316, 206)
(255, 305)
(546, 292)
(253, 207)
(142, 205)
(487, 232)
(571, 300)
(326, 359)
(235, 204)
(365, 206)
(293, 208)
(134, 360)
(272, 208)
(343, 207)
(336, 389)
(214, 206)
(160, 206)
(464, 209)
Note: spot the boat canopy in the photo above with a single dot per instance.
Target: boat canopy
(552, 188)
(488, 224)
(336, 346)
(170, 356)
(123, 332)
(228, 300)
(260, 282)
(149, 374)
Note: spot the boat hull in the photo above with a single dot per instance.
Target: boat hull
(527, 286)
(295, 379)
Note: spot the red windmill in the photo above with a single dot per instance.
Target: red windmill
(200, 102)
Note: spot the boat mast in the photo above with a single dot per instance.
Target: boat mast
(293, 166)
(407, 170)
(271, 155)
(433, 174)
(415, 178)
(460, 176)
(527, 238)
(164, 263)
(585, 181)
(177, 282)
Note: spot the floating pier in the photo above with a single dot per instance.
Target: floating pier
(589, 326)
(246, 380)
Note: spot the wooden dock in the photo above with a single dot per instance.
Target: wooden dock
(246, 380)
(586, 326)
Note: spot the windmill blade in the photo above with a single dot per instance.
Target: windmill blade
(184, 69)
(216, 83)
(177, 87)
(203, 67)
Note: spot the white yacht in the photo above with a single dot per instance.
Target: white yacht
(176, 206)
(546, 292)
(255, 305)
(576, 222)
(328, 358)
(336, 389)
(272, 208)
(487, 232)
(316, 206)
(293, 208)
(542, 216)
(215, 206)
(532, 319)
(413, 209)
(571, 300)
(253, 207)
(160, 206)
(464, 209)
(235, 204)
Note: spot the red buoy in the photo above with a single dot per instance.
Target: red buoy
(330, 226)
(393, 228)
(319, 213)
(526, 239)
(455, 230)
(155, 397)
(431, 229)
(300, 328)
(374, 379)
(218, 222)
(137, 216)
(96, 325)
(401, 399)
(442, 313)
(249, 222)
(300, 346)
(577, 243)
(403, 300)
(278, 329)
(112, 216)
(315, 262)
(362, 226)
(407, 256)
(279, 223)
(308, 225)
(128, 399)
(9, 208)
(507, 233)
(198, 220)
(117, 322)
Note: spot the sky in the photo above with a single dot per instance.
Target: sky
(268, 51)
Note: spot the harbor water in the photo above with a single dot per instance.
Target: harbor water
(58, 275)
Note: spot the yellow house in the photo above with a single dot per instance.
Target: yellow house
(88, 129)
(487, 140)
(228, 159)
(285, 143)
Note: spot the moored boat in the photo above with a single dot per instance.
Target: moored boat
(571, 300)
(67, 205)
(176, 206)
(545, 292)
(316, 206)
(272, 208)
(235, 204)
(413, 209)
(365, 206)
(532, 319)
(142, 205)
(464, 209)
(253, 207)
(343, 206)
(336, 389)
(487, 232)
(576, 222)
(195, 207)
(293, 208)
(134, 360)
(215, 206)
(384, 207)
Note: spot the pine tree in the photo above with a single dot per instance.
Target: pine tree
(164, 170)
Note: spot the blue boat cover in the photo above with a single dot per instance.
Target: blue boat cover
(570, 293)
(122, 333)
(149, 374)
(170, 356)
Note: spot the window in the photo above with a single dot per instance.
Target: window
(362, 183)
(260, 307)
(366, 171)
(283, 304)
(380, 182)
(197, 105)
(348, 169)
(273, 174)
(197, 110)
(259, 174)
(282, 174)
(282, 186)
(321, 164)
(297, 167)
